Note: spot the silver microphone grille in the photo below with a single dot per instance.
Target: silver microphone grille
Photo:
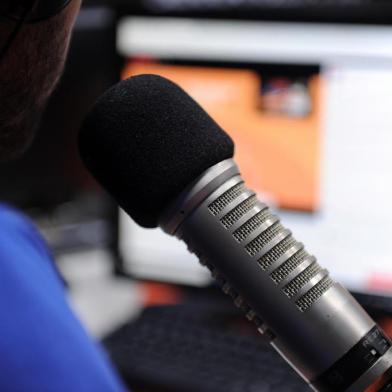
(274, 247)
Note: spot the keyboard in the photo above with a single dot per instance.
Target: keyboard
(193, 348)
(329, 11)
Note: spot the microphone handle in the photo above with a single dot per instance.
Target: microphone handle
(312, 321)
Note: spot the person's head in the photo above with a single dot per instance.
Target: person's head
(29, 73)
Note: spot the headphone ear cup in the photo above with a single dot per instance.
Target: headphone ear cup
(45, 9)
(27, 11)
(40, 9)
(19, 12)
(15, 10)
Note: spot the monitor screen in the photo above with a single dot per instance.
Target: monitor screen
(312, 140)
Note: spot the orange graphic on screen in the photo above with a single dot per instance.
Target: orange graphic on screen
(278, 155)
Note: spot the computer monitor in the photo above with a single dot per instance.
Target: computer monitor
(312, 129)
(332, 11)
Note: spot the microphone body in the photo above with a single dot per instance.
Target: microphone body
(168, 164)
(313, 322)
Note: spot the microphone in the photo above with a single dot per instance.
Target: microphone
(168, 164)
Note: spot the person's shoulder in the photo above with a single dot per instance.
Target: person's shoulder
(13, 221)
(11, 215)
(17, 227)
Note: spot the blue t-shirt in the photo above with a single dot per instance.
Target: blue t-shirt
(43, 347)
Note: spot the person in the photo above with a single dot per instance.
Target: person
(43, 346)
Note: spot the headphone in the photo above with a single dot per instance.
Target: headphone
(38, 9)
(21, 12)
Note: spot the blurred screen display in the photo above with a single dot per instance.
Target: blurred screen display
(315, 146)
(276, 133)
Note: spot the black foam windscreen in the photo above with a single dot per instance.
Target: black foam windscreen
(146, 140)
